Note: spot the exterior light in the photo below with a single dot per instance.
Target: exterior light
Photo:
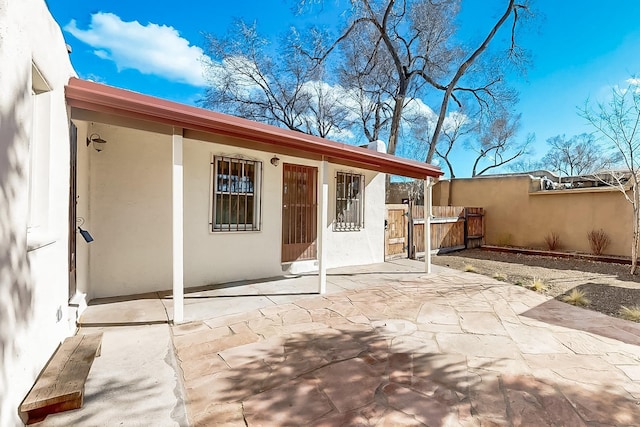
(98, 143)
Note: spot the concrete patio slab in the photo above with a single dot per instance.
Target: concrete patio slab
(142, 309)
(133, 383)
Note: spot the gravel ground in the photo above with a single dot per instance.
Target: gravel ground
(608, 286)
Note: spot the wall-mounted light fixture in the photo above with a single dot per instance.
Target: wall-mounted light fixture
(84, 233)
(98, 143)
(275, 161)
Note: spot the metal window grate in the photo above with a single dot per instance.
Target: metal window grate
(235, 194)
(349, 202)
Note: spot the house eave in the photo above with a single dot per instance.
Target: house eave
(99, 98)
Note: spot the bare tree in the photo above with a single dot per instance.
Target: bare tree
(457, 126)
(418, 38)
(525, 165)
(325, 111)
(392, 53)
(414, 37)
(578, 155)
(497, 144)
(371, 84)
(246, 81)
(487, 91)
(617, 122)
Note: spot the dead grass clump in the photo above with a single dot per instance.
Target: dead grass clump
(576, 297)
(598, 240)
(500, 276)
(470, 268)
(552, 240)
(537, 285)
(630, 313)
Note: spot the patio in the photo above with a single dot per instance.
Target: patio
(387, 346)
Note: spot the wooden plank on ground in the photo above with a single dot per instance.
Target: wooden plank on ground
(60, 386)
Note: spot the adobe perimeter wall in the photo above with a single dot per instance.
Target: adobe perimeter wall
(518, 213)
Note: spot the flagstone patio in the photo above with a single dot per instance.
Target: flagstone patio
(392, 346)
(388, 345)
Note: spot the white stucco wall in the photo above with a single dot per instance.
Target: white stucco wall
(129, 212)
(82, 209)
(228, 256)
(130, 217)
(367, 245)
(33, 266)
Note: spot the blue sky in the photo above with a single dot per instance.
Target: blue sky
(579, 49)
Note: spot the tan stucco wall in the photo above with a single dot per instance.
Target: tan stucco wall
(33, 266)
(516, 213)
(129, 215)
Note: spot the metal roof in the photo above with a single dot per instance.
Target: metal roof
(100, 98)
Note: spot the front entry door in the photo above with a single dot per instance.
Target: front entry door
(73, 196)
(299, 212)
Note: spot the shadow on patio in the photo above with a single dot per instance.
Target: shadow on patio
(353, 377)
(562, 314)
(223, 299)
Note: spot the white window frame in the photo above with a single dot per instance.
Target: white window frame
(39, 162)
(349, 201)
(235, 190)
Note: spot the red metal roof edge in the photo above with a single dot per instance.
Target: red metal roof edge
(108, 99)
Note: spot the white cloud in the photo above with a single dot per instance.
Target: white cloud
(151, 49)
(634, 83)
(416, 108)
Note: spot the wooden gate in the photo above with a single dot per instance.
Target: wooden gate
(395, 231)
(474, 218)
(452, 228)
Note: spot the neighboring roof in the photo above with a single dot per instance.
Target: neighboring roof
(96, 97)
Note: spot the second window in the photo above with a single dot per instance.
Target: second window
(349, 201)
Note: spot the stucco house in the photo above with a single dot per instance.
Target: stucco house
(106, 192)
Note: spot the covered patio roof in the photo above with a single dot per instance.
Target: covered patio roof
(103, 99)
(90, 101)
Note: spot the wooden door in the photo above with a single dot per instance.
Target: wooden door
(299, 212)
(396, 231)
(73, 196)
(475, 227)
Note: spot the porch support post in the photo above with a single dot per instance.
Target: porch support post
(427, 224)
(323, 202)
(178, 231)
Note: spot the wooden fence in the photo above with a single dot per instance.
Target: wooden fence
(452, 228)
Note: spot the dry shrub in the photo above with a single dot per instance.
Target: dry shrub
(537, 285)
(470, 269)
(598, 240)
(630, 313)
(552, 240)
(500, 276)
(576, 297)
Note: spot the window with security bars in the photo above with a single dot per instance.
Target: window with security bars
(236, 194)
(349, 202)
